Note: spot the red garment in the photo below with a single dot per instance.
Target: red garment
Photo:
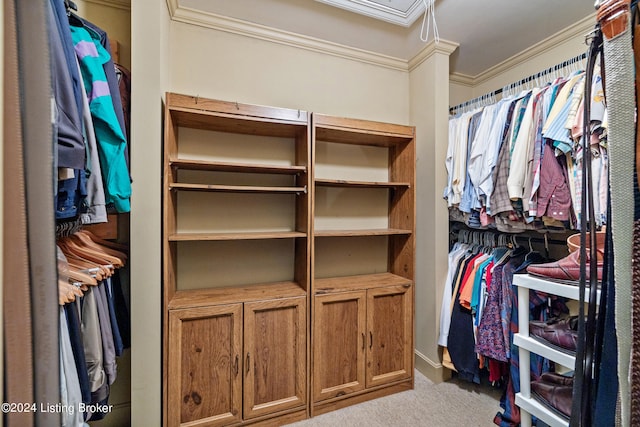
(488, 273)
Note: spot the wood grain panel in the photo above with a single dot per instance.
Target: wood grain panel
(204, 366)
(339, 344)
(275, 356)
(389, 323)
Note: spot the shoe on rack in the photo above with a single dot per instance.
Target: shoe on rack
(560, 334)
(573, 241)
(557, 397)
(555, 378)
(566, 270)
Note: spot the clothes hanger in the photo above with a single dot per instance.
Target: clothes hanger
(85, 263)
(79, 276)
(113, 245)
(89, 254)
(68, 292)
(74, 19)
(90, 243)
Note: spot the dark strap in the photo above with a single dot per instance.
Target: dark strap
(586, 321)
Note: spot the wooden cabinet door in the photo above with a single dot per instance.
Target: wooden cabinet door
(275, 349)
(390, 346)
(339, 344)
(204, 366)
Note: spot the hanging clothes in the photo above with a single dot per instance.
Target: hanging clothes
(109, 134)
(522, 155)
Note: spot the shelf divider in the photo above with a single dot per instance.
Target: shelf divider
(358, 282)
(236, 167)
(232, 294)
(235, 188)
(365, 184)
(364, 232)
(249, 235)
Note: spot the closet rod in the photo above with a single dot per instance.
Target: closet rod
(528, 79)
(520, 237)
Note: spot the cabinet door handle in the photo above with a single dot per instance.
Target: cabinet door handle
(370, 340)
(248, 360)
(235, 368)
(364, 340)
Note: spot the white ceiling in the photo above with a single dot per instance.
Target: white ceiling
(488, 31)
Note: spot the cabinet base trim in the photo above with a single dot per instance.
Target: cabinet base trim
(279, 420)
(343, 402)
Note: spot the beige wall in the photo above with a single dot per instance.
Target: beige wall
(429, 112)
(149, 23)
(459, 93)
(232, 67)
(554, 55)
(116, 21)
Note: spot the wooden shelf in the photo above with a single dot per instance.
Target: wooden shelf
(359, 282)
(258, 235)
(235, 294)
(356, 233)
(236, 167)
(361, 132)
(344, 183)
(235, 188)
(224, 116)
(536, 408)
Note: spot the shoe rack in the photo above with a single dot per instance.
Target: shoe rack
(527, 345)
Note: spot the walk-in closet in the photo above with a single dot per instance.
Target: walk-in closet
(319, 213)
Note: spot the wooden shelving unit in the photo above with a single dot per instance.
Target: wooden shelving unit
(256, 258)
(224, 213)
(366, 173)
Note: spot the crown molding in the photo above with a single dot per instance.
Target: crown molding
(179, 13)
(116, 4)
(227, 24)
(580, 28)
(462, 79)
(380, 11)
(445, 47)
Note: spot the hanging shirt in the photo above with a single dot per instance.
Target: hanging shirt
(111, 141)
(70, 150)
(456, 254)
(469, 199)
(481, 144)
(488, 158)
(521, 148)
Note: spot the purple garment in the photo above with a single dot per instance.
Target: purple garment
(491, 338)
(554, 195)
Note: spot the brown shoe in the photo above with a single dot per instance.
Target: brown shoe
(554, 378)
(556, 397)
(559, 334)
(566, 270)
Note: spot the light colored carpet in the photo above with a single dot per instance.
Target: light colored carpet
(453, 403)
